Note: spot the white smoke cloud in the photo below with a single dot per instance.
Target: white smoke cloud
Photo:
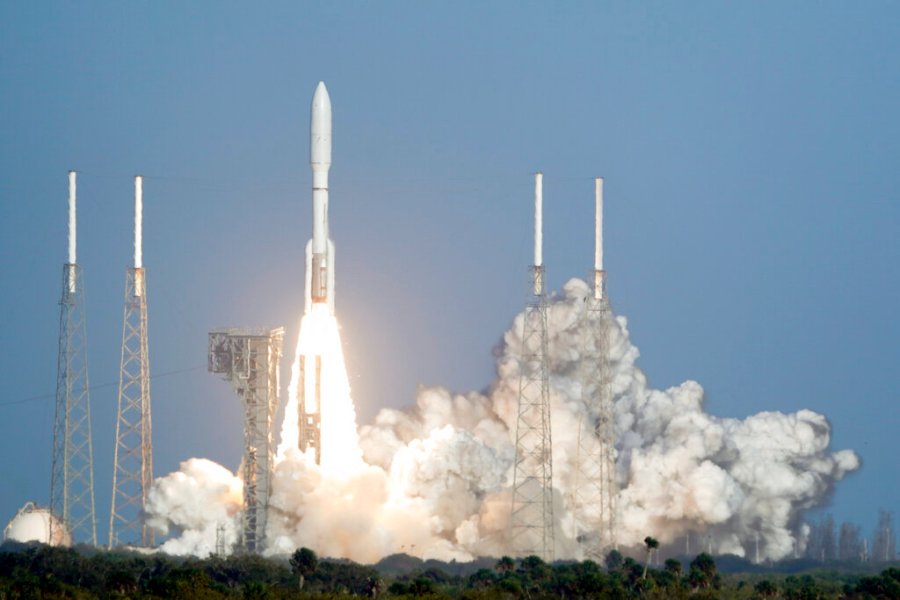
(436, 479)
(194, 502)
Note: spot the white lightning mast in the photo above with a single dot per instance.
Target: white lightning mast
(599, 274)
(72, 472)
(531, 521)
(595, 489)
(133, 460)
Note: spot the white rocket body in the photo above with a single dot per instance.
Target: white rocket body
(320, 249)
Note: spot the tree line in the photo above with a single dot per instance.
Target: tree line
(38, 571)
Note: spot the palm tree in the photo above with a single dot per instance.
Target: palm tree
(703, 571)
(614, 560)
(505, 565)
(304, 562)
(651, 544)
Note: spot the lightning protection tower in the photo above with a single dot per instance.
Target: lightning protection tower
(595, 489)
(72, 472)
(531, 521)
(133, 459)
(249, 359)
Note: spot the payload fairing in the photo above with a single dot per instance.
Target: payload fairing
(320, 249)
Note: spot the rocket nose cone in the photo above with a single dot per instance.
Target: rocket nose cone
(320, 127)
(321, 104)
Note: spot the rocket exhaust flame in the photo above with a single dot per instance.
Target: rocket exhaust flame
(309, 421)
(320, 419)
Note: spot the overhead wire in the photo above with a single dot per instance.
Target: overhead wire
(99, 386)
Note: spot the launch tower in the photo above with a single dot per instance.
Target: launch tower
(249, 359)
(531, 520)
(595, 487)
(72, 471)
(133, 459)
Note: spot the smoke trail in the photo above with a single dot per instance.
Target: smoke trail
(435, 478)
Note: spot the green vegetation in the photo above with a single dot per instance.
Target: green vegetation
(304, 563)
(35, 571)
(651, 544)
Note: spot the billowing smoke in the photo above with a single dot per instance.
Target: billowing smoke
(198, 503)
(436, 478)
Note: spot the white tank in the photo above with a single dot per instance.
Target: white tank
(33, 524)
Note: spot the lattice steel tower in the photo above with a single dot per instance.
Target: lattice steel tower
(72, 471)
(133, 462)
(531, 521)
(595, 489)
(249, 360)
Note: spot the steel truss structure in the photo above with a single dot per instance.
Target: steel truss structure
(249, 360)
(595, 489)
(72, 471)
(531, 521)
(133, 460)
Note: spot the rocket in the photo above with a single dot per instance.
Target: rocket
(319, 272)
(320, 249)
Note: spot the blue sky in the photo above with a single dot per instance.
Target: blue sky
(750, 152)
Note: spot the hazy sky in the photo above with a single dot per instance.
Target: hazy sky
(750, 152)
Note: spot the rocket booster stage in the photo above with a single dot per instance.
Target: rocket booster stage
(320, 249)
